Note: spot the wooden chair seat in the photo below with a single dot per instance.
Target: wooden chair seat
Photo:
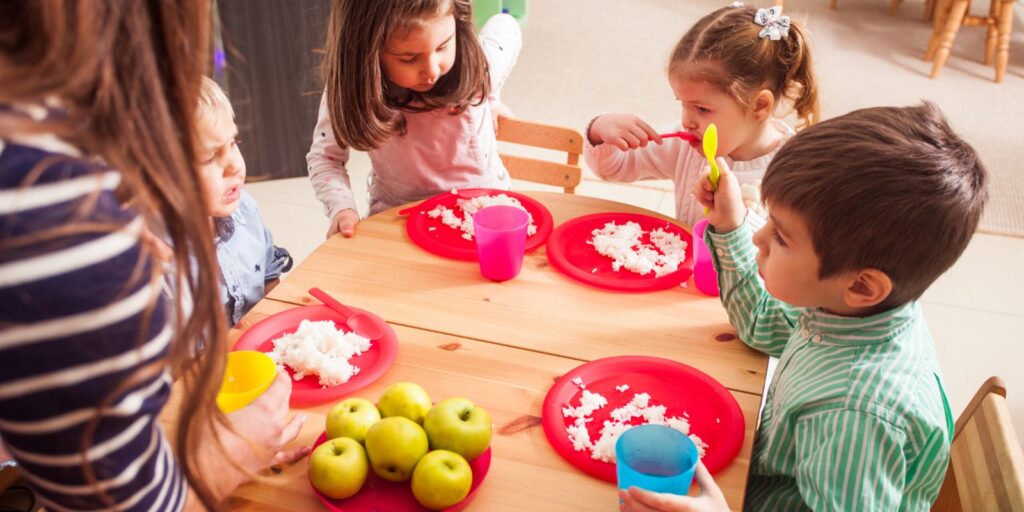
(986, 463)
(529, 133)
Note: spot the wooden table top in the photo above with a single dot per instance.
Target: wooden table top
(502, 345)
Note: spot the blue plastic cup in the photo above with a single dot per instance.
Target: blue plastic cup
(655, 458)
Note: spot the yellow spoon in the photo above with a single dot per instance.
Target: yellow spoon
(710, 147)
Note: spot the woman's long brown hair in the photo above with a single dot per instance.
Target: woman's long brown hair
(127, 73)
(363, 114)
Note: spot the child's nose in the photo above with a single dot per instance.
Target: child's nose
(433, 69)
(690, 123)
(760, 239)
(234, 166)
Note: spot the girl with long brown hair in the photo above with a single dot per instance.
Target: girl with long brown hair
(733, 68)
(97, 103)
(409, 82)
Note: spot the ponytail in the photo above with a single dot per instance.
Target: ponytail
(726, 48)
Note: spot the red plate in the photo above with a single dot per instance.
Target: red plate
(714, 414)
(372, 363)
(379, 495)
(569, 252)
(448, 242)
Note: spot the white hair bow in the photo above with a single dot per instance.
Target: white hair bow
(776, 26)
(736, 4)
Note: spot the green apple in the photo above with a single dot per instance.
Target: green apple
(458, 425)
(395, 445)
(405, 399)
(338, 468)
(351, 418)
(441, 479)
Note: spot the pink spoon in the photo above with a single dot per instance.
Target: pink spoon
(687, 136)
(360, 323)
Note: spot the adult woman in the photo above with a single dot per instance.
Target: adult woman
(96, 104)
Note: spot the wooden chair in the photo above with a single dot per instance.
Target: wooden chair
(529, 133)
(986, 463)
(950, 15)
(929, 6)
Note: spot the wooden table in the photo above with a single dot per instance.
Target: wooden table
(502, 345)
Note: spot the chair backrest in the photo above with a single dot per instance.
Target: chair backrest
(986, 463)
(529, 133)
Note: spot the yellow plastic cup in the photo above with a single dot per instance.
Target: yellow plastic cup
(247, 375)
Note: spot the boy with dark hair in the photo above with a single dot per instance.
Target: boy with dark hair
(865, 211)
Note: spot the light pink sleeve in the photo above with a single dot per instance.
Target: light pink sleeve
(502, 41)
(652, 162)
(325, 163)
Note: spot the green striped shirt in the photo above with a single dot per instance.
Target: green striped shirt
(856, 417)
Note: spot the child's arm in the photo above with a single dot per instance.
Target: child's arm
(278, 259)
(851, 460)
(325, 163)
(762, 321)
(617, 149)
(501, 41)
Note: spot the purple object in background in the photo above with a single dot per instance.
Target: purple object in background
(704, 275)
(500, 233)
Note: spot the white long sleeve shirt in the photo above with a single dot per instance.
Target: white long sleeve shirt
(677, 160)
(438, 152)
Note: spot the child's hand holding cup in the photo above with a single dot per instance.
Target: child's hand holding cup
(247, 374)
(655, 466)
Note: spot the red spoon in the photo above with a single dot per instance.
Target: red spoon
(687, 136)
(360, 323)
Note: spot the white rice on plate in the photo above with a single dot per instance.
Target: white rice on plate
(464, 223)
(620, 420)
(623, 244)
(319, 348)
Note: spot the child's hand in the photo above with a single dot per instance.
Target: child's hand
(725, 204)
(501, 111)
(255, 437)
(624, 131)
(710, 499)
(345, 223)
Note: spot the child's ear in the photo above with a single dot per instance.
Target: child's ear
(763, 105)
(868, 288)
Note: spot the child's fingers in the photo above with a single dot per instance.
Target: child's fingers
(619, 142)
(633, 140)
(651, 133)
(642, 136)
(646, 500)
(707, 483)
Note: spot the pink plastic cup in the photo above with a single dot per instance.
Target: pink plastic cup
(704, 275)
(500, 233)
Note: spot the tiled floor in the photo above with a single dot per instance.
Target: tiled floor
(975, 314)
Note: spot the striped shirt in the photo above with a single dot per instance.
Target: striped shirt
(856, 417)
(73, 330)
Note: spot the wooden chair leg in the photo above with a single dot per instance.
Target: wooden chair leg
(942, 8)
(992, 32)
(929, 10)
(1004, 22)
(945, 44)
(894, 7)
(991, 39)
